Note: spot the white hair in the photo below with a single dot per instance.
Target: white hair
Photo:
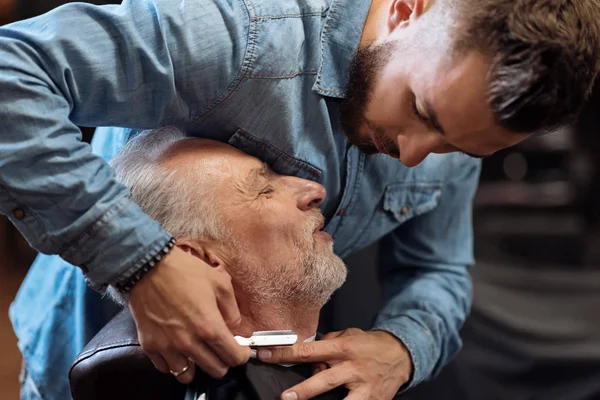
(183, 207)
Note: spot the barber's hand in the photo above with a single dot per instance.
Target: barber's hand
(372, 365)
(184, 310)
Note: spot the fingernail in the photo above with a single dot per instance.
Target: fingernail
(289, 396)
(265, 355)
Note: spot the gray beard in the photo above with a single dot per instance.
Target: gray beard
(289, 286)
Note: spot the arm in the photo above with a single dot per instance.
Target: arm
(427, 288)
(427, 297)
(141, 64)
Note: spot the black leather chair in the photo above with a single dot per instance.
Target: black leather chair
(113, 366)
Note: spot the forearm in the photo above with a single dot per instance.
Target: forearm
(127, 65)
(424, 270)
(426, 310)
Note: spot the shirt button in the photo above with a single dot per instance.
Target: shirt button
(341, 212)
(404, 210)
(18, 213)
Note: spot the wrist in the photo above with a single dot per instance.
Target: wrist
(400, 352)
(125, 285)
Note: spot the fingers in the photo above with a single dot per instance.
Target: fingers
(159, 362)
(180, 367)
(227, 303)
(320, 383)
(319, 367)
(223, 344)
(358, 394)
(219, 338)
(207, 360)
(310, 352)
(184, 308)
(332, 335)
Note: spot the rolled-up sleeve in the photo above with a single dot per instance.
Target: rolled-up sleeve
(141, 64)
(424, 270)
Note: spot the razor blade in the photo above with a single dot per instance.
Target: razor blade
(268, 338)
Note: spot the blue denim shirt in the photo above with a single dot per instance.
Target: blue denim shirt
(266, 76)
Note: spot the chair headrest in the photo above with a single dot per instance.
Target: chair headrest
(114, 366)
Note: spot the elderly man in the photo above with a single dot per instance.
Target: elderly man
(412, 79)
(261, 229)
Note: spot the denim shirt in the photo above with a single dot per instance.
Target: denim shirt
(265, 76)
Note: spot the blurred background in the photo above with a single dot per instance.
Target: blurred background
(534, 331)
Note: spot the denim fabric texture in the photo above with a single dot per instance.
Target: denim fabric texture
(266, 76)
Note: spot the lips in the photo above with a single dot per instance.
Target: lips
(319, 227)
(381, 148)
(377, 143)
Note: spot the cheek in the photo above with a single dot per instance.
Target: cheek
(389, 103)
(272, 232)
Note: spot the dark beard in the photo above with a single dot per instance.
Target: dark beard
(365, 66)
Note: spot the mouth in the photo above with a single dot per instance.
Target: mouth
(319, 227)
(377, 143)
(382, 148)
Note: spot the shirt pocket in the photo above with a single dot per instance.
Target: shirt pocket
(403, 201)
(278, 159)
(400, 203)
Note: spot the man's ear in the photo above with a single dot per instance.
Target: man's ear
(205, 249)
(402, 11)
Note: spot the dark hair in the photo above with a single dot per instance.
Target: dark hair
(544, 57)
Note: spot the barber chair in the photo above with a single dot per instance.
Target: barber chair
(113, 366)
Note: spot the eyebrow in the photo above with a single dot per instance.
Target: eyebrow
(256, 174)
(432, 116)
(435, 122)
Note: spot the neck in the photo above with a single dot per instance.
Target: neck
(374, 23)
(273, 316)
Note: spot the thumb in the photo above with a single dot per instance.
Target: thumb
(228, 305)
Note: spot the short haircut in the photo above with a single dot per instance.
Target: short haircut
(544, 56)
(182, 207)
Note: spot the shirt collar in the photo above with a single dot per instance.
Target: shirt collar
(340, 39)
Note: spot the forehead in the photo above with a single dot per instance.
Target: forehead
(458, 91)
(458, 88)
(210, 162)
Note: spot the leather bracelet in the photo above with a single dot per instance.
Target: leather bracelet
(125, 285)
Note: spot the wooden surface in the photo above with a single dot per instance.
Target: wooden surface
(14, 258)
(6, 11)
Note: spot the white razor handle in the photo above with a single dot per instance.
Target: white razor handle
(268, 338)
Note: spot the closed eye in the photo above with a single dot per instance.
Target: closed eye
(418, 114)
(267, 190)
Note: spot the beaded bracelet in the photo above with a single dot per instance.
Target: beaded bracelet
(125, 285)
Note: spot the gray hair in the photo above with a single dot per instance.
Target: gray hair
(182, 207)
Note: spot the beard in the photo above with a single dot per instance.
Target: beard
(307, 279)
(362, 74)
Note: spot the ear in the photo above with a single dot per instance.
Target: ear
(205, 249)
(403, 11)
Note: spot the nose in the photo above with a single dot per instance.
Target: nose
(308, 194)
(414, 148)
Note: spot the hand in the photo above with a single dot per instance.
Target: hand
(184, 310)
(371, 365)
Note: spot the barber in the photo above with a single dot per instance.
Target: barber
(427, 80)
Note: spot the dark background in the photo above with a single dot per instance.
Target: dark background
(534, 332)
